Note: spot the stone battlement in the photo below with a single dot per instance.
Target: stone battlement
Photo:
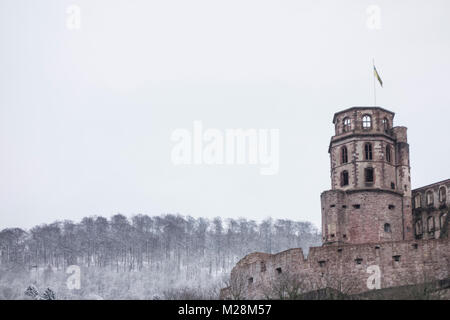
(351, 269)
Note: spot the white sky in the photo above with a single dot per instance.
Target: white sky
(86, 115)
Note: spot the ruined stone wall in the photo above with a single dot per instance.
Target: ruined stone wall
(356, 114)
(384, 172)
(361, 216)
(384, 214)
(376, 235)
(350, 269)
(403, 177)
(431, 219)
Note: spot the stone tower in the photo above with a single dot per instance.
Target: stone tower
(370, 196)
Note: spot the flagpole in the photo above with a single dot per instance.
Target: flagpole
(374, 84)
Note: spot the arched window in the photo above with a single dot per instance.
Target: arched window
(418, 227)
(367, 122)
(347, 124)
(368, 174)
(442, 194)
(344, 178)
(388, 153)
(368, 151)
(385, 124)
(344, 154)
(430, 224)
(429, 198)
(417, 201)
(387, 227)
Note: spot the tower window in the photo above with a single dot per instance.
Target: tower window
(396, 258)
(368, 174)
(385, 125)
(430, 224)
(358, 260)
(392, 186)
(344, 181)
(250, 281)
(263, 266)
(278, 270)
(418, 226)
(367, 122)
(344, 155)
(387, 227)
(442, 194)
(346, 124)
(442, 219)
(391, 207)
(388, 153)
(417, 201)
(368, 151)
(430, 198)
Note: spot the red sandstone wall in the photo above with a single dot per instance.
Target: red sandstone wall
(341, 223)
(344, 222)
(430, 219)
(362, 248)
(385, 172)
(346, 268)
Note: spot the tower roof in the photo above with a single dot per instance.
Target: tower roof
(361, 108)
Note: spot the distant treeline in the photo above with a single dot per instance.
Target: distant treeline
(166, 243)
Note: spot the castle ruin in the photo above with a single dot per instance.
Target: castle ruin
(377, 232)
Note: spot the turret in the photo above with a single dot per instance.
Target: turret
(370, 185)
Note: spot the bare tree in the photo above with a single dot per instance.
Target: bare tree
(287, 286)
(235, 286)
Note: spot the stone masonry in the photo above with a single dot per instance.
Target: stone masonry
(377, 232)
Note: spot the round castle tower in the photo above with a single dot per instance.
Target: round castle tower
(370, 196)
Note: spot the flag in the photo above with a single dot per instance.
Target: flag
(377, 76)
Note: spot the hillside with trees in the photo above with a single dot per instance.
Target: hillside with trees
(145, 257)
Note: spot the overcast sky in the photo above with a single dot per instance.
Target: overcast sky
(86, 114)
